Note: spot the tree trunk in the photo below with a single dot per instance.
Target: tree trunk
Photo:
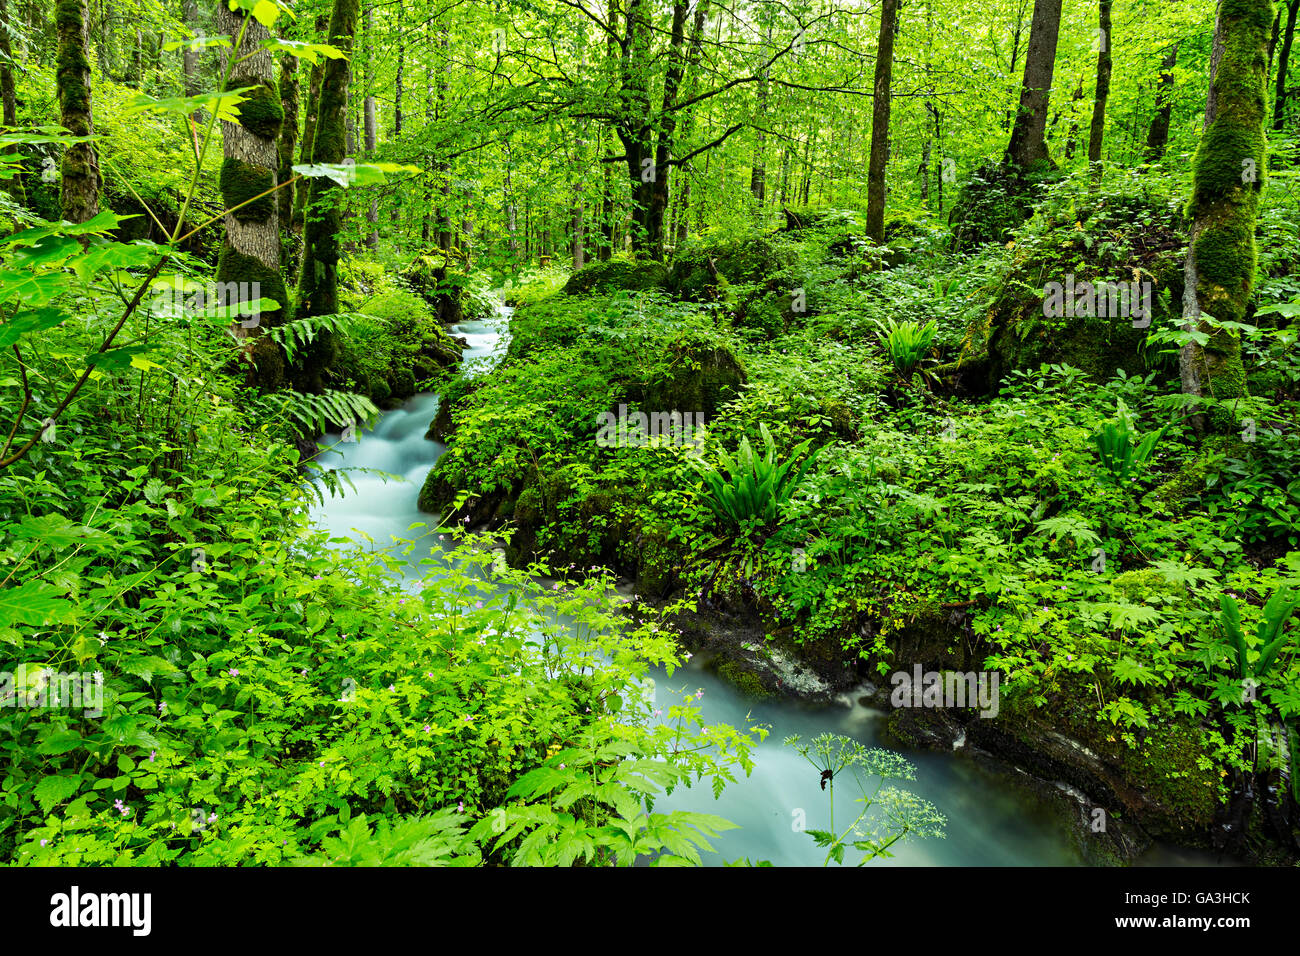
(371, 127)
(1097, 133)
(1227, 177)
(880, 122)
(1158, 134)
(318, 291)
(79, 200)
(190, 58)
(1028, 146)
(288, 133)
(7, 95)
(1283, 62)
(251, 250)
(314, 79)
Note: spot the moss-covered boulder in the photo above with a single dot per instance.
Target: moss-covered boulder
(1084, 294)
(617, 275)
(696, 270)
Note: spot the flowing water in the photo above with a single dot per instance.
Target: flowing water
(991, 820)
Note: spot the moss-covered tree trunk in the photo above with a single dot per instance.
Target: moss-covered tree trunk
(1227, 178)
(1283, 63)
(79, 199)
(1028, 146)
(8, 99)
(318, 288)
(880, 122)
(251, 250)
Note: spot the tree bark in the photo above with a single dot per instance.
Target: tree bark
(880, 122)
(289, 87)
(310, 117)
(79, 199)
(318, 290)
(1028, 146)
(1283, 62)
(1097, 133)
(251, 250)
(8, 98)
(1158, 134)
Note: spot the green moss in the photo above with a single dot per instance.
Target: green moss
(743, 680)
(234, 266)
(617, 274)
(240, 182)
(261, 113)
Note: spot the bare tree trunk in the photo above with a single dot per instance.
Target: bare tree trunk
(1098, 131)
(7, 95)
(288, 133)
(880, 122)
(1158, 134)
(1028, 145)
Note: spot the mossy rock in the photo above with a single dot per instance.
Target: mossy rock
(694, 377)
(401, 383)
(1014, 334)
(617, 275)
(744, 680)
(751, 260)
(996, 200)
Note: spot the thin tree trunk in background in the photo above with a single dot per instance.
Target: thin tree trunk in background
(1097, 133)
(1283, 64)
(445, 232)
(309, 120)
(79, 198)
(1158, 134)
(1028, 145)
(579, 211)
(190, 58)
(288, 134)
(371, 126)
(758, 172)
(8, 98)
(880, 104)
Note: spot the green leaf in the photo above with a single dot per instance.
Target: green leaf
(35, 603)
(52, 791)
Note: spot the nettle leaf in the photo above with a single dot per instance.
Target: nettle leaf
(35, 603)
(225, 105)
(311, 52)
(56, 531)
(33, 289)
(115, 255)
(353, 174)
(52, 791)
(28, 321)
(197, 43)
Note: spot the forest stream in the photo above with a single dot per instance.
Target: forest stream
(990, 823)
